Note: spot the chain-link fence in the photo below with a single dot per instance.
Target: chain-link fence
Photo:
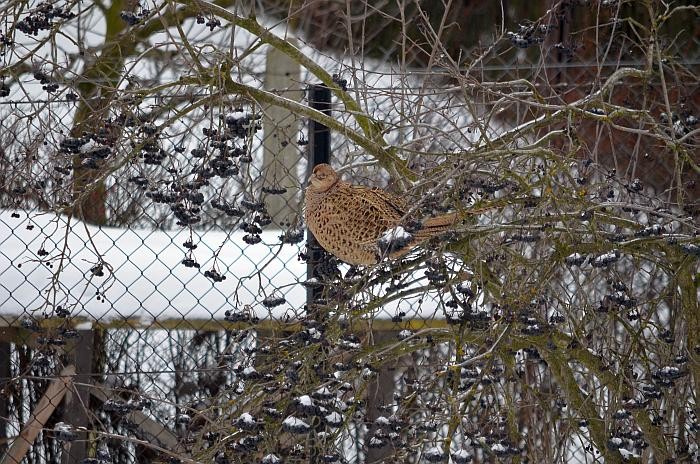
(159, 301)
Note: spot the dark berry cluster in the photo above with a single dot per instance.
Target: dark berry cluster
(72, 144)
(263, 219)
(253, 205)
(251, 239)
(97, 270)
(223, 166)
(436, 273)
(326, 269)
(238, 316)
(682, 122)
(273, 301)
(45, 82)
(214, 275)
(190, 262)
(4, 89)
(292, 236)
(212, 23)
(242, 126)
(132, 18)
(227, 208)
(5, 43)
(528, 34)
(606, 259)
(151, 151)
(274, 190)
(161, 196)
(42, 17)
(342, 83)
(251, 228)
(186, 215)
(89, 149)
(140, 181)
(184, 199)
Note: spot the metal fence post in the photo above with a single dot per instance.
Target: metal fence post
(319, 152)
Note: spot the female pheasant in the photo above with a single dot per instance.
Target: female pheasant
(352, 221)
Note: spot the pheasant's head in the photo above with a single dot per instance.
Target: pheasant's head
(323, 178)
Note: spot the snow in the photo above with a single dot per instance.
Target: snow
(499, 448)
(461, 456)
(271, 459)
(628, 454)
(397, 233)
(62, 426)
(349, 344)
(246, 419)
(248, 371)
(434, 454)
(334, 419)
(305, 400)
(669, 372)
(314, 333)
(381, 421)
(605, 259)
(575, 259)
(375, 442)
(324, 393)
(294, 424)
(394, 239)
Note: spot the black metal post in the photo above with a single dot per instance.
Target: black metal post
(319, 152)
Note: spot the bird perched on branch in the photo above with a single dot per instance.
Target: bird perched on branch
(361, 225)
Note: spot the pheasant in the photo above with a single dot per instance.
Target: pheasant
(361, 225)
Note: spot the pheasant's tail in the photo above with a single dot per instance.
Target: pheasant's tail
(430, 227)
(436, 225)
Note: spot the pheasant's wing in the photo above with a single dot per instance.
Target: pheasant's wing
(383, 210)
(393, 205)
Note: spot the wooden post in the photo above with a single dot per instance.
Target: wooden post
(281, 132)
(149, 430)
(41, 413)
(380, 392)
(78, 400)
(5, 374)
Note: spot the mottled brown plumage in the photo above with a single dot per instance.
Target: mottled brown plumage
(347, 220)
